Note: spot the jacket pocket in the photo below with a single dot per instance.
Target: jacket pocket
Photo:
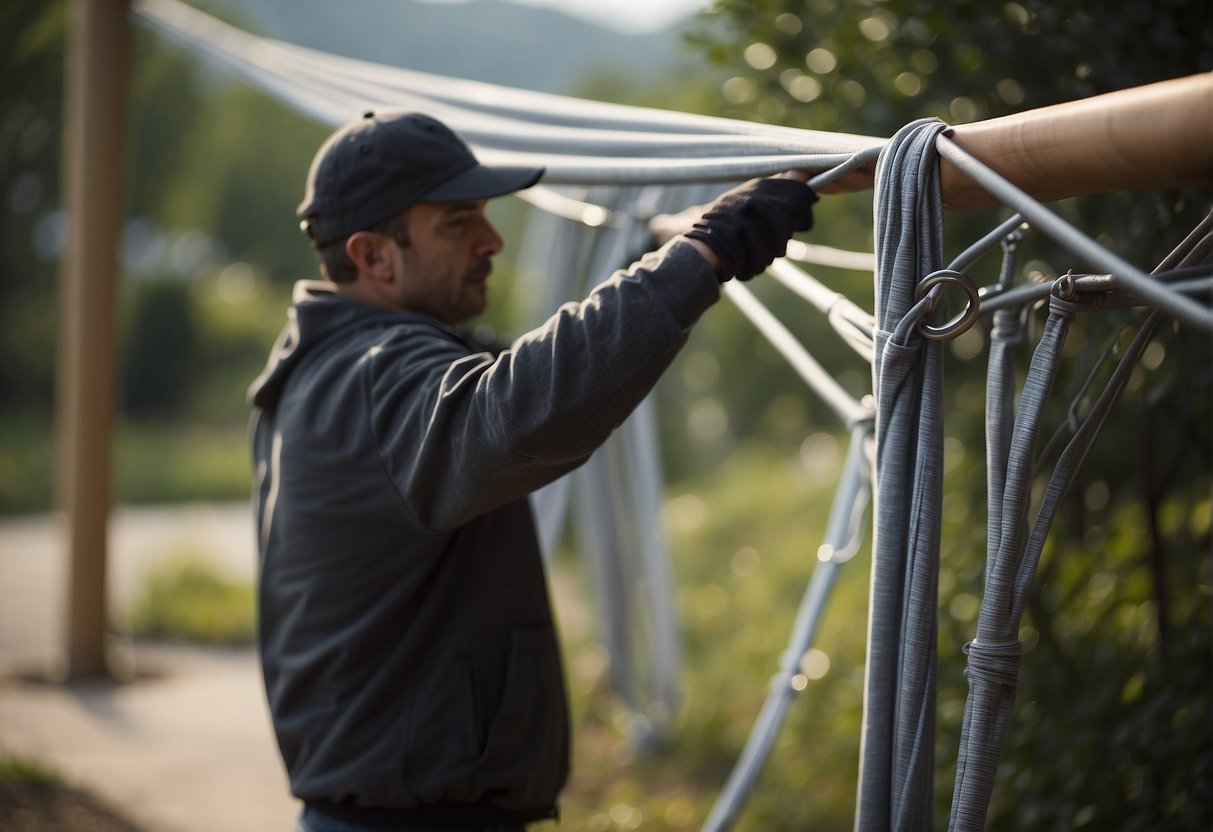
(442, 737)
(526, 753)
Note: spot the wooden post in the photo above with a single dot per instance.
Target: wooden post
(94, 153)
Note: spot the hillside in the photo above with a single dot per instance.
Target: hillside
(548, 50)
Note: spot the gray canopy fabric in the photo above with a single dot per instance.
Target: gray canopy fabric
(615, 499)
(579, 142)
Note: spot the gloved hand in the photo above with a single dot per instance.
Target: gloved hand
(749, 226)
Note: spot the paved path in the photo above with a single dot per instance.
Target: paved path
(185, 748)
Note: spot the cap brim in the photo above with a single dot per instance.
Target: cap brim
(483, 182)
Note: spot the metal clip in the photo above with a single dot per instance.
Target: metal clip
(961, 323)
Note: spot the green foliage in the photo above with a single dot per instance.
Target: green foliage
(187, 599)
(242, 183)
(160, 348)
(218, 156)
(178, 463)
(1113, 723)
(744, 543)
(26, 465)
(31, 50)
(873, 66)
(154, 462)
(193, 446)
(19, 770)
(1130, 749)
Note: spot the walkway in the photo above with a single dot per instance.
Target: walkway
(185, 748)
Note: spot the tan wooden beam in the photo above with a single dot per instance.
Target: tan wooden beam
(1153, 137)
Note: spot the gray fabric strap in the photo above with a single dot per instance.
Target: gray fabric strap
(1014, 544)
(994, 654)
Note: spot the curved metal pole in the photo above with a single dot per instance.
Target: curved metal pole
(1049, 223)
(841, 542)
(840, 401)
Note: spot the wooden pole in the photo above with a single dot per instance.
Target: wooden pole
(1153, 137)
(94, 153)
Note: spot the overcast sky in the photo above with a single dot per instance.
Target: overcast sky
(626, 15)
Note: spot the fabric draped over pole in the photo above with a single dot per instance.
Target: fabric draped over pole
(615, 498)
(898, 738)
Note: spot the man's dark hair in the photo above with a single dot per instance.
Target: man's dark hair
(335, 264)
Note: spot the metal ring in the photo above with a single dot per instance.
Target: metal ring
(961, 323)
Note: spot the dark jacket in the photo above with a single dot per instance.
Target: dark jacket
(406, 636)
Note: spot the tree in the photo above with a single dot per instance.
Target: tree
(31, 36)
(1115, 723)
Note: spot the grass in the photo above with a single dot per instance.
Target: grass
(740, 575)
(19, 770)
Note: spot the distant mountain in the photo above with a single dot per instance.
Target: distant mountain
(485, 40)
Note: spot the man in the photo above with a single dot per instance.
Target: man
(406, 638)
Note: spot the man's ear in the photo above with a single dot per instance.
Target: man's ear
(367, 251)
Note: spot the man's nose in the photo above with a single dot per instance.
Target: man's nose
(489, 241)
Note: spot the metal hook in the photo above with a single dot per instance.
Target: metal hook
(961, 323)
(1065, 286)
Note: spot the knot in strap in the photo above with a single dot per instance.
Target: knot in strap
(1007, 329)
(1068, 309)
(996, 664)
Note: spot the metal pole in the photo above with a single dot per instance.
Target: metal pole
(94, 152)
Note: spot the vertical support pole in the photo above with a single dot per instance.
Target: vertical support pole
(94, 154)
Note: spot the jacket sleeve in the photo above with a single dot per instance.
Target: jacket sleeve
(461, 434)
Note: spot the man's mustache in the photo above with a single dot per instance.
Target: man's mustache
(481, 270)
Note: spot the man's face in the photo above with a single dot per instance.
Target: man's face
(444, 269)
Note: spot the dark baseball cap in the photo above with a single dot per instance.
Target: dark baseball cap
(382, 163)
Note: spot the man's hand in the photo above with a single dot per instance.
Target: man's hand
(745, 229)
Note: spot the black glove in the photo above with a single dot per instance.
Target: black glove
(749, 226)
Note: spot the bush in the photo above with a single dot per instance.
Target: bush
(186, 599)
